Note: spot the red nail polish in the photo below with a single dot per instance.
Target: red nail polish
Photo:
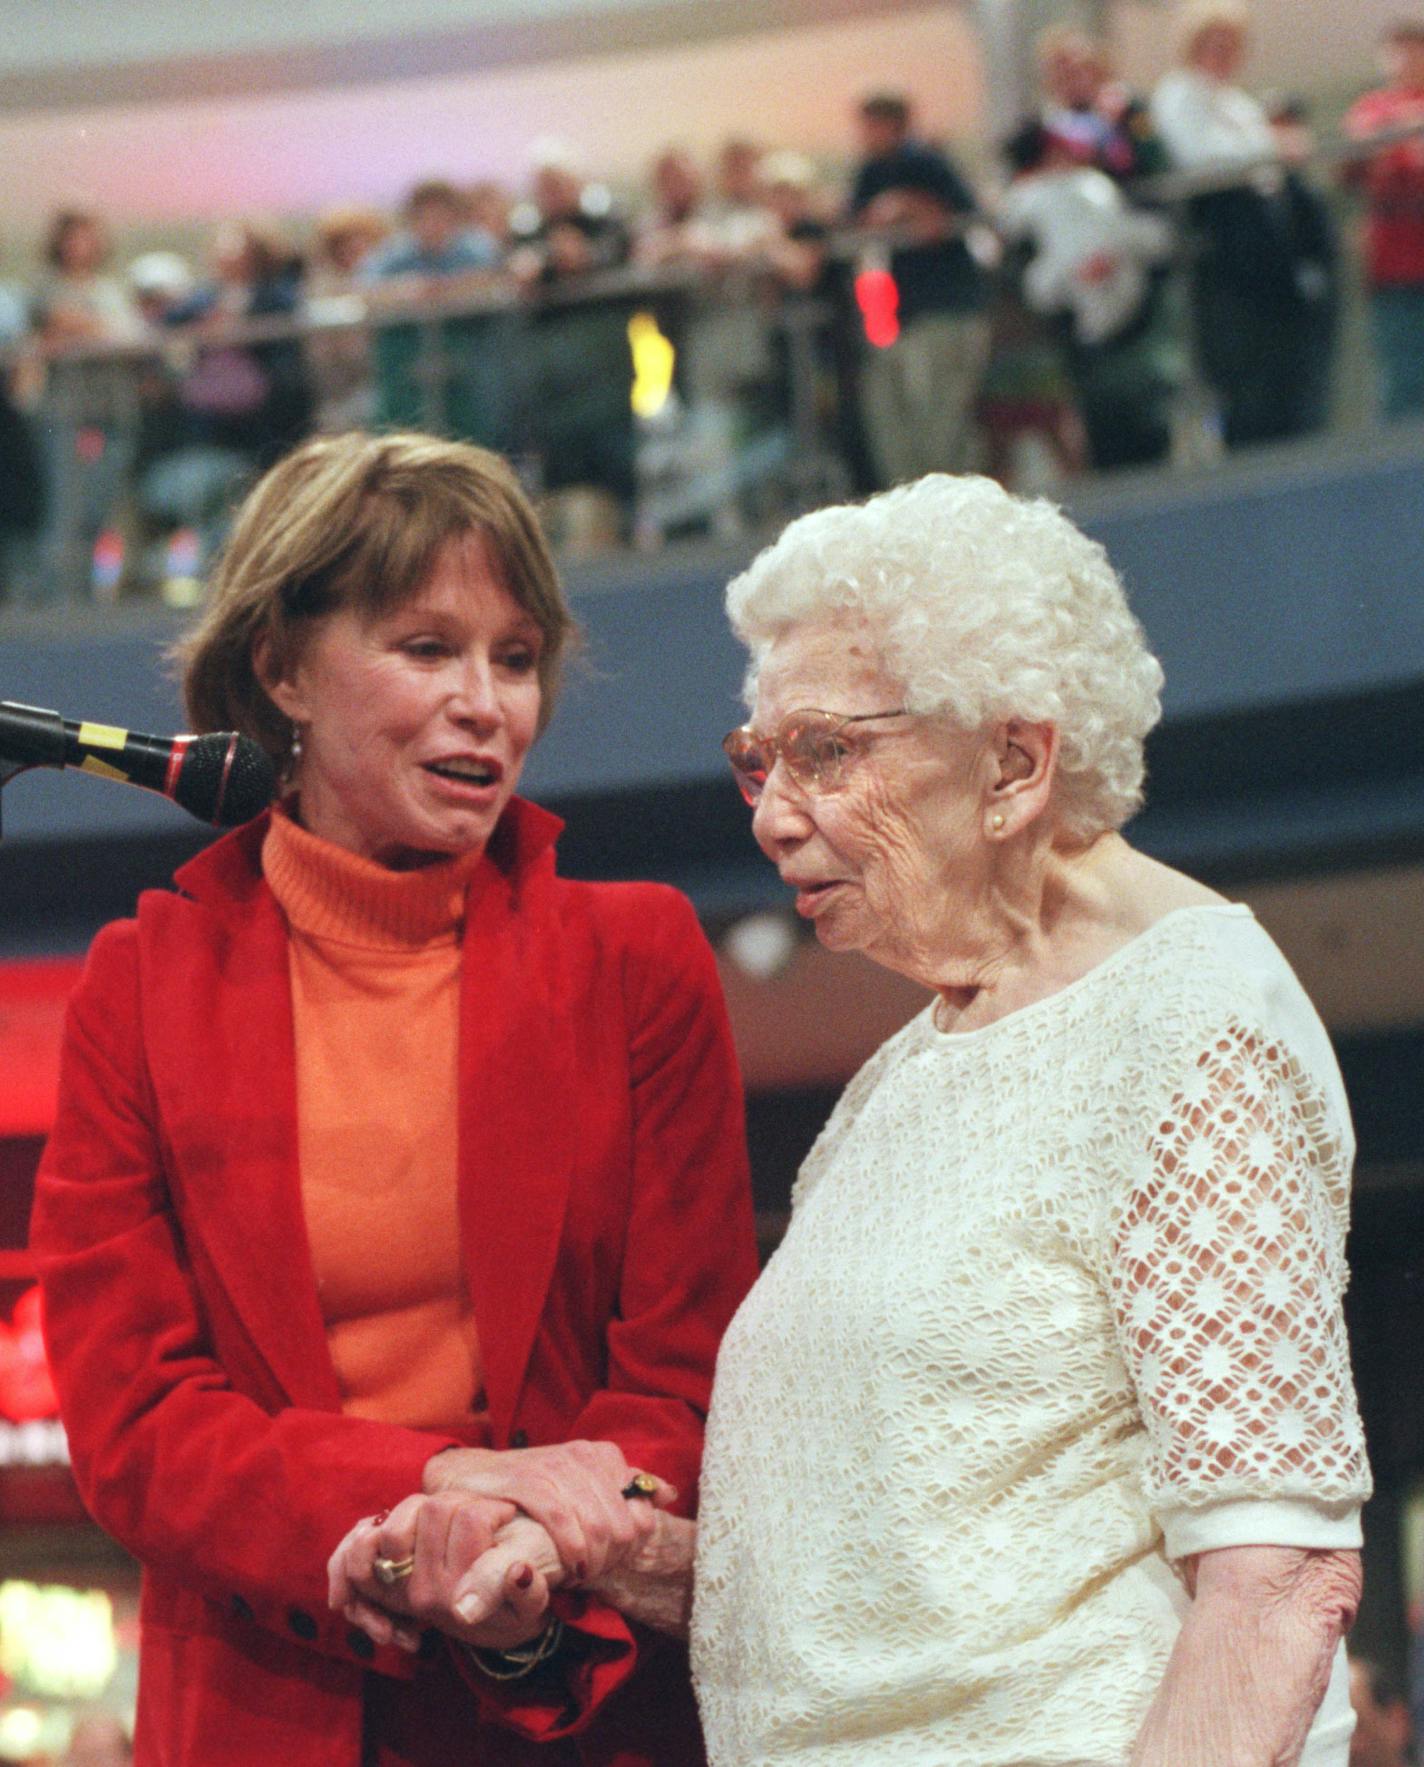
(523, 1577)
(379, 1520)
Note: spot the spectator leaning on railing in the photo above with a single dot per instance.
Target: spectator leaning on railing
(1307, 230)
(182, 480)
(340, 357)
(489, 206)
(812, 333)
(1260, 271)
(918, 391)
(1096, 117)
(575, 410)
(447, 377)
(86, 411)
(1393, 180)
(723, 328)
(670, 229)
(253, 399)
(1092, 266)
(436, 241)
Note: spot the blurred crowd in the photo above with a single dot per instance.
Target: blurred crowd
(738, 339)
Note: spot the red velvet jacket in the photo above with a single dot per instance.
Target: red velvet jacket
(607, 1232)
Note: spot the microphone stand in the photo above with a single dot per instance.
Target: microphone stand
(8, 770)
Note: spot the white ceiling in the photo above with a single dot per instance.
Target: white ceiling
(296, 151)
(66, 56)
(167, 111)
(1297, 40)
(46, 34)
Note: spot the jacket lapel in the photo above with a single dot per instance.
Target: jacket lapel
(220, 1006)
(517, 1100)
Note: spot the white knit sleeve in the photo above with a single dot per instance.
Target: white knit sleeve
(1225, 1267)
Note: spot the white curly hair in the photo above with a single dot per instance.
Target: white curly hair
(985, 606)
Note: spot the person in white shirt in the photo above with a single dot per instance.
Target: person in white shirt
(1257, 288)
(1202, 116)
(1044, 1401)
(1095, 271)
(1092, 253)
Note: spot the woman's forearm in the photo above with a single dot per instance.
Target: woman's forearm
(655, 1587)
(1253, 1658)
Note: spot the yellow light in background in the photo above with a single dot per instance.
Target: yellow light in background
(653, 359)
(26, 1732)
(57, 1641)
(20, 1731)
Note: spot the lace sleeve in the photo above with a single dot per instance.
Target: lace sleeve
(1226, 1270)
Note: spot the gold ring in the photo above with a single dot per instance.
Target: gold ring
(640, 1485)
(391, 1571)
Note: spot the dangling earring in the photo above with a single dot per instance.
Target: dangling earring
(294, 755)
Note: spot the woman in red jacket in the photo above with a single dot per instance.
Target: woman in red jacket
(386, 1160)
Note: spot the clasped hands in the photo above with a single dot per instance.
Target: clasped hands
(491, 1536)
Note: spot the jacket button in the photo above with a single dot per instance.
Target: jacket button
(361, 1645)
(240, 1608)
(519, 1439)
(301, 1623)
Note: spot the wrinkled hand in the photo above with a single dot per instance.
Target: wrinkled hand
(572, 1489)
(655, 1586)
(480, 1574)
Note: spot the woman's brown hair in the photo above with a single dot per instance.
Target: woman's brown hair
(356, 521)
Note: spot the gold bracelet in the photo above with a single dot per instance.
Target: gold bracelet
(521, 1659)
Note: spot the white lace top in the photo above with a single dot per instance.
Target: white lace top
(1059, 1302)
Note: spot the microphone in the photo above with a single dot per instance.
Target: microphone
(223, 778)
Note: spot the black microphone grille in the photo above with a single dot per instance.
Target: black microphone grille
(225, 779)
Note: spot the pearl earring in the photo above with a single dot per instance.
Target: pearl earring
(996, 821)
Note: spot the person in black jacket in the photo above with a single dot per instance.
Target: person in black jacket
(22, 491)
(922, 372)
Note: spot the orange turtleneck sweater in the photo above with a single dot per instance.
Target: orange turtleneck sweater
(375, 967)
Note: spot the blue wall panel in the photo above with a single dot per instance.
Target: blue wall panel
(1288, 579)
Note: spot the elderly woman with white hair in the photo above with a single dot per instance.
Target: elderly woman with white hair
(1035, 1444)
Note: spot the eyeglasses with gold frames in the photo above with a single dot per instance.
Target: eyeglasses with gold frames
(808, 741)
